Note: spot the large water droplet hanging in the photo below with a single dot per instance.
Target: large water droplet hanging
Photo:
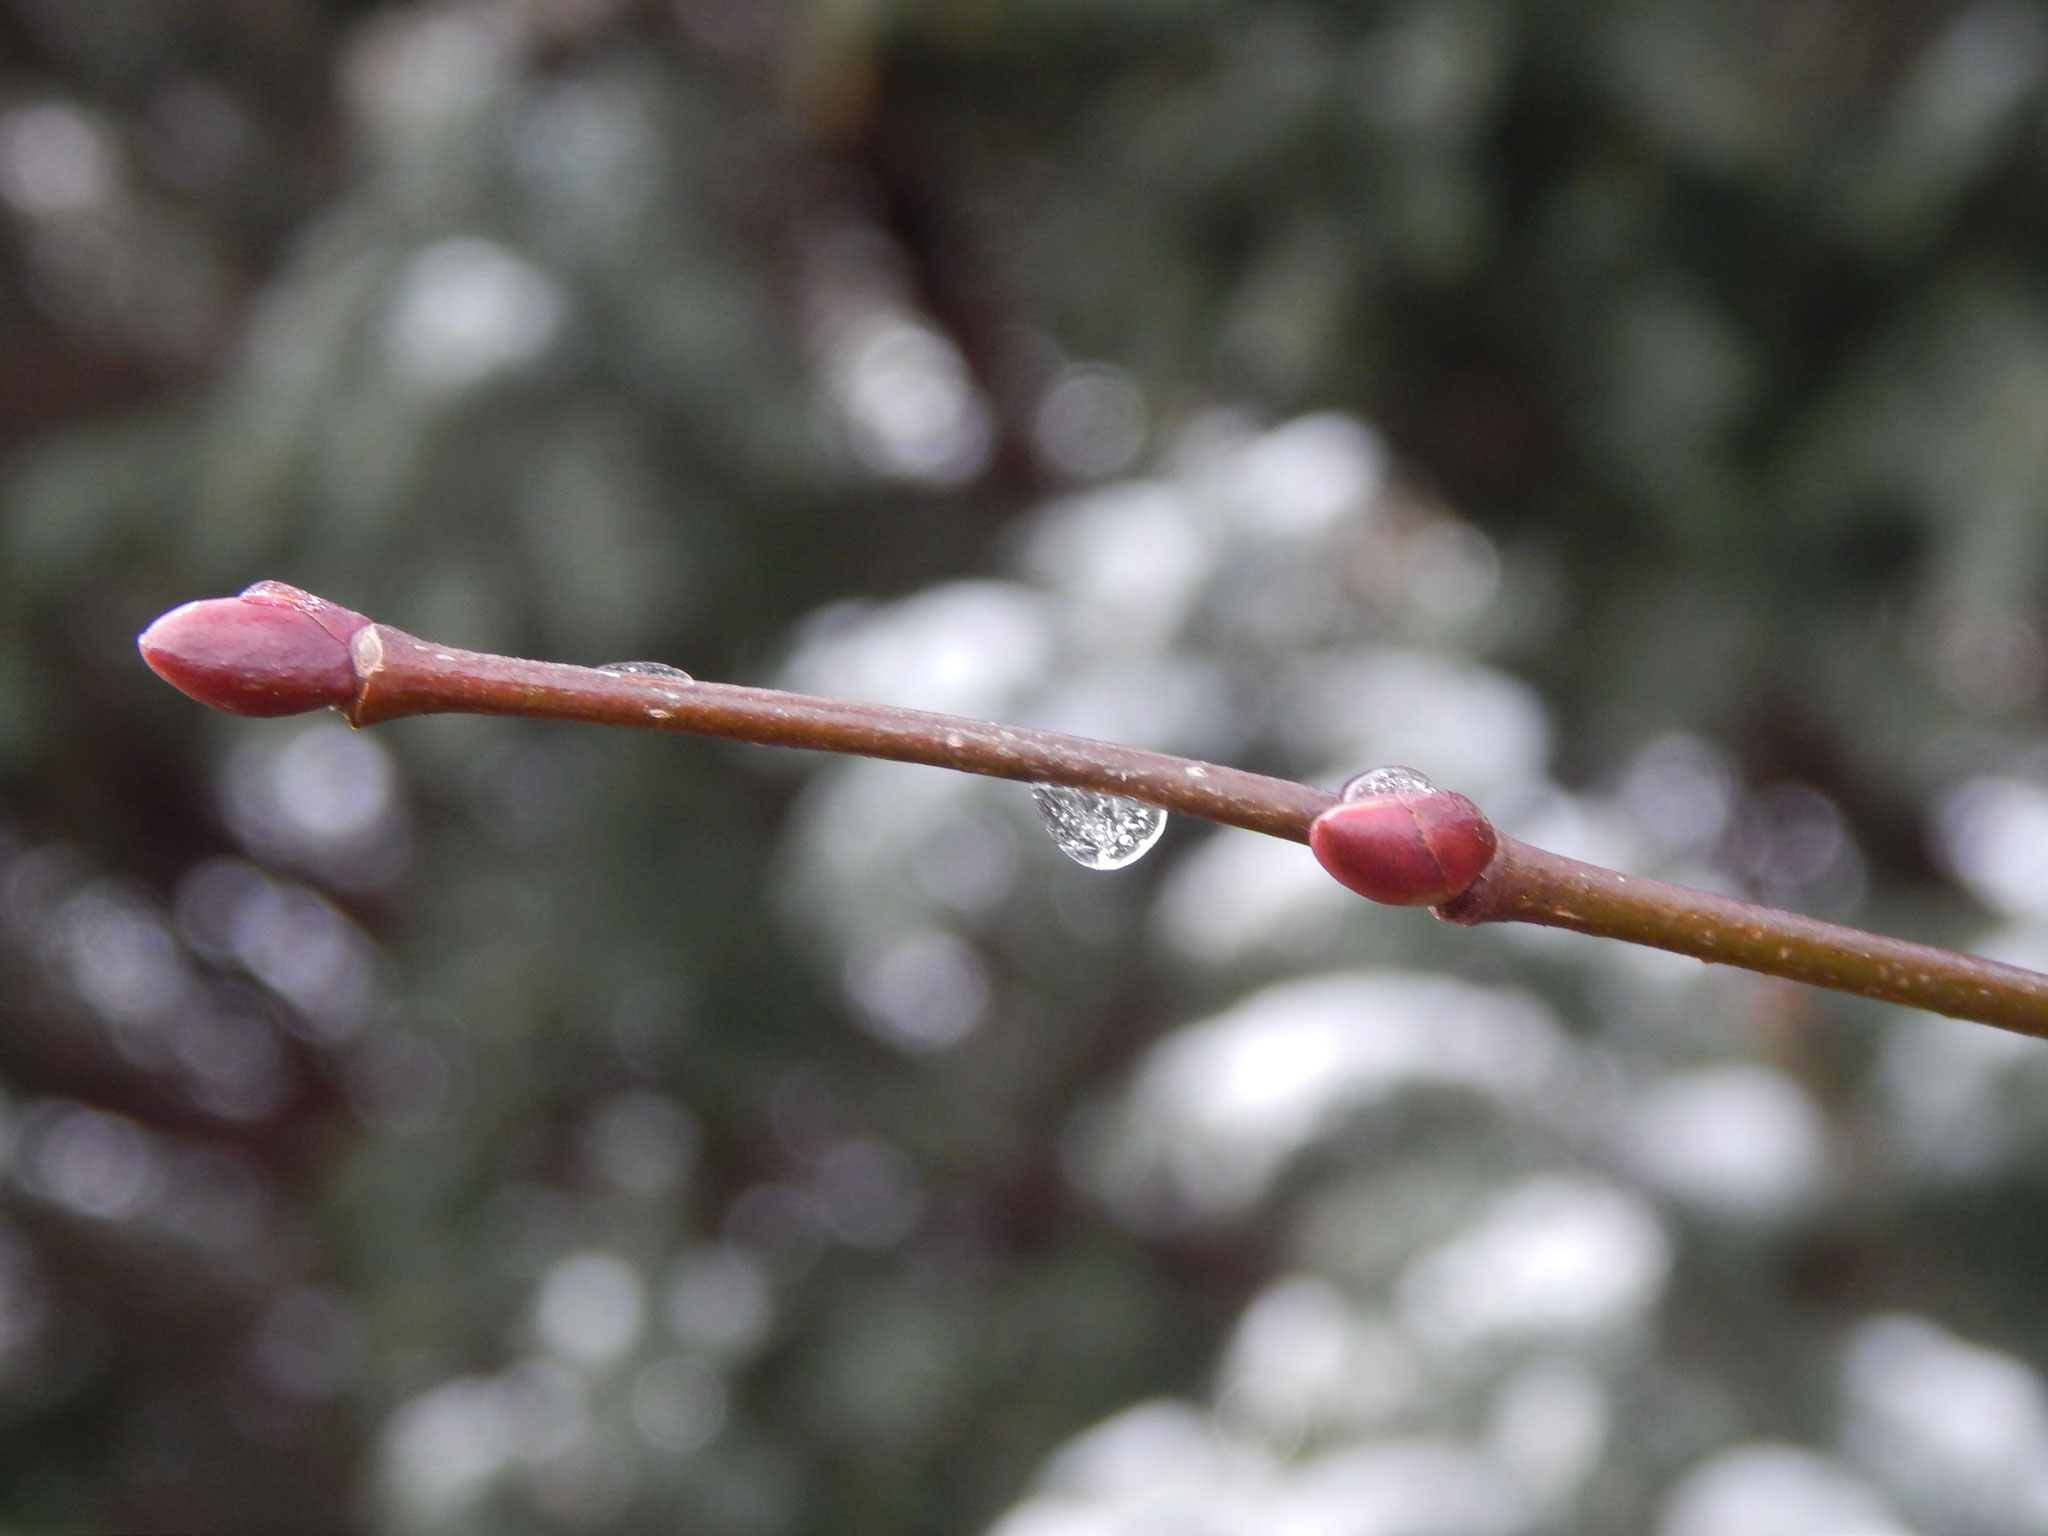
(646, 669)
(1384, 781)
(1099, 831)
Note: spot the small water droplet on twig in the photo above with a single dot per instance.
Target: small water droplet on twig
(1095, 830)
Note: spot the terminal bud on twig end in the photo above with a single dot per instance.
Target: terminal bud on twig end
(274, 650)
(1407, 848)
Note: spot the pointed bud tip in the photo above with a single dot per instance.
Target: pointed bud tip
(255, 655)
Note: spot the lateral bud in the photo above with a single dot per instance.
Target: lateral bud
(1405, 846)
(274, 650)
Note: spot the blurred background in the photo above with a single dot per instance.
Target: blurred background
(1634, 415)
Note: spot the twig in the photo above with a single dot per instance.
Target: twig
(276, 650)
(401, 675)
(1525, 884)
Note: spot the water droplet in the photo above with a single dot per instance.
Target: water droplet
(1384, 781)
(1098, 831)
(646, 669)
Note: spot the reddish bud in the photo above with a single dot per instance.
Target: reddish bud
(272, 651)
(1408, 848)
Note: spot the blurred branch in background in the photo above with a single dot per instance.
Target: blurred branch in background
(452, 1129)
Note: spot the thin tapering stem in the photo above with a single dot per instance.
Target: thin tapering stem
(277, 650)
(1524, 884)
(401, 675)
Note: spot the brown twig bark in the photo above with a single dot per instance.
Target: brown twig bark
(276, 651)
(1525, 884)
(401, 675)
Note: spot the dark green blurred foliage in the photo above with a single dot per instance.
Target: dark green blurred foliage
(475, 1126)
